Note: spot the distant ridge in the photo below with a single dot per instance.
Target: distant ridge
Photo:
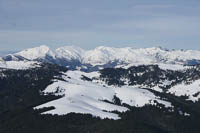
(75, 57)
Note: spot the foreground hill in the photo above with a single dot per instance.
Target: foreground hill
(145, 98)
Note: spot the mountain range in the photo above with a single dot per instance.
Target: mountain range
(102, 57)
(106, 89)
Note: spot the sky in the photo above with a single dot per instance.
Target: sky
(173, 24)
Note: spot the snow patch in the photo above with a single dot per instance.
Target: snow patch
(191, 90)
(19, 65)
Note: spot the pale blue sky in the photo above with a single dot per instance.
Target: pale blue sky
(90, 23)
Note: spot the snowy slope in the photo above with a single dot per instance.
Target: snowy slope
(19, 65)
(87, 97)
(36, 53)
(70, 53)
(164, 66)
(191, 90)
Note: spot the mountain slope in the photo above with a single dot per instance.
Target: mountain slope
(70, 53)
(36, 53)
(136, 86)
(82, 96)
(19, 65)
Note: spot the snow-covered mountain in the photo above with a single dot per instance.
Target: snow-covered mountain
(36, 53)
(70, 53)
(102, 57)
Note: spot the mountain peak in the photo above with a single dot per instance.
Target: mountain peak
(36, 52)
(70, 52)
(71, 47)
(43, 47)
(103, 47)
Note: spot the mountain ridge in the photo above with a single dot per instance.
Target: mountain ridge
(75, 57)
